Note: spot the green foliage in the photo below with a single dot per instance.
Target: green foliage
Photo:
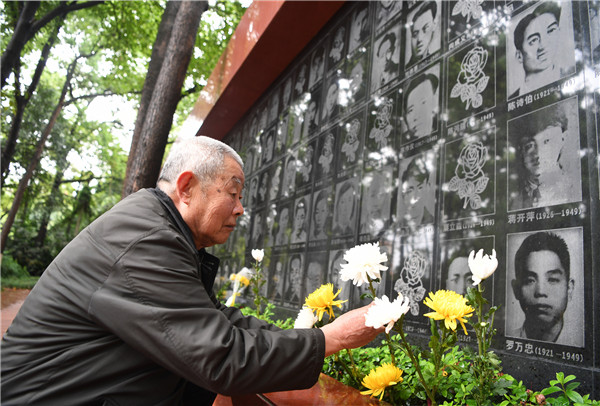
(267, 315)
(83, 165)
(12, 269)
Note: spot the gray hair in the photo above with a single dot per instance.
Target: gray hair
(203, 156)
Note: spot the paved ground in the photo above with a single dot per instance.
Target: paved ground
(12, 299)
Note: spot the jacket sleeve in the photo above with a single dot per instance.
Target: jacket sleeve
(155, 302)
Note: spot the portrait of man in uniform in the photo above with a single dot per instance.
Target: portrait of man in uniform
(546, 169)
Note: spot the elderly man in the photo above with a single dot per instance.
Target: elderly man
(126, 313)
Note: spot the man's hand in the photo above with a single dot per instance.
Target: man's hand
(348, 331)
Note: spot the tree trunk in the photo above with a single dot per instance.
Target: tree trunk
(159, 49)
(35, 160)
(21, 102)
(155, 119)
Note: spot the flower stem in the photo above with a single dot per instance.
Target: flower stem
(387, 336)
(348, 371)
(413, 359)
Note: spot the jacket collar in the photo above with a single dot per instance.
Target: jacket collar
(209, 264)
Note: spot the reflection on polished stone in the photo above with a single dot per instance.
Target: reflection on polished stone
(327, 391)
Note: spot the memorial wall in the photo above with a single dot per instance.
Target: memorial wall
(435, 128)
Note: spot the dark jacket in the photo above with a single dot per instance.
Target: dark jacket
(126, 315)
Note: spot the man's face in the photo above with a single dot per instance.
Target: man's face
(295, 272)
(543, 290)
(332, 96)
(549, 142)
(346, 205)
(299, 218)
(459, 276)
(540, 43)
(531, 157)
(283, 219)
(420, 109)
(376, 197)
(413, 193)
(214, 209)
(320, 215)
(356, 78)
(421, 34)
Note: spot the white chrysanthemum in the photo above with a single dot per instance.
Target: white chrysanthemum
(362, 261)
(386, 313)
(306, 318)
(482, 266)
(258, 255)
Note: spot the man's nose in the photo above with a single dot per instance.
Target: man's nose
(238, 210)
(540, 290)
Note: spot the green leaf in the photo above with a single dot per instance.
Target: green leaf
(550, 390)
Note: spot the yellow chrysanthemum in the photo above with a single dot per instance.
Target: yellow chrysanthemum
(322, 300)
(380, 378)
(243, 280)
(448, 306)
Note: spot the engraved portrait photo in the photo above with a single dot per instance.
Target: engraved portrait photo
(282, 226)
(352, 130)
(470, 175)
(310, 126)
(540, 48)
(455, 273)
(377, 191)
(385, 11)
(317, 66)
(288, 182)
(300, 220)
(345, 212)
(360, 26)
(320, 228)
(325, 157)
(315, 271)
(337, 46)
(545, 294)
(594, 19)
(306, 159)
(423, 32)
(336, 258)
(416, 190)
(386, 58)
(544, 166)
(293, 285)
(355, 88)
(471, 79)
(276, 278)
(275, 173)
(282, 134)
(301, 81)
(421, 105)
(331, 104)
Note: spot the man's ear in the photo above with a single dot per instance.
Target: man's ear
(183, 186)
(519, 56)
(516, 287)
(570, 288)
